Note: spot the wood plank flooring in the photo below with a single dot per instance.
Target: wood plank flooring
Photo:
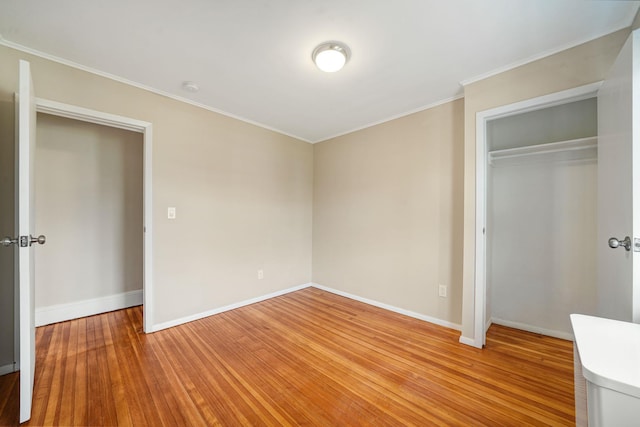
(305, 358)
(9, 399)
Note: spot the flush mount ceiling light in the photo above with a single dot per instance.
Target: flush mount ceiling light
(331, 56)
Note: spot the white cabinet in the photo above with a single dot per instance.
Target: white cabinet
(607, 367)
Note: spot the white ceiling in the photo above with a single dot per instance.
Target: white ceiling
(252, 58)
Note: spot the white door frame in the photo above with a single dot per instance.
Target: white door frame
(482, 117)
(145, 128)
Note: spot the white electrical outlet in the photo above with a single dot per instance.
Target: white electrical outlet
(171, 213)
(260, 274)
(442, 291)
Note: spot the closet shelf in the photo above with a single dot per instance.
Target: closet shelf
(575, 149)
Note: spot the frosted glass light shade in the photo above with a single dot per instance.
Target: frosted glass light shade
(330, 57)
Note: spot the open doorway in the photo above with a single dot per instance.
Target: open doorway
(541, 217)
(89, 199)
(482, 314)
(144, 232)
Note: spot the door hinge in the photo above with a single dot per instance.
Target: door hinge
(636, 244)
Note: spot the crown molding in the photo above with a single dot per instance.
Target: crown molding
(534, 58)
(53, 58)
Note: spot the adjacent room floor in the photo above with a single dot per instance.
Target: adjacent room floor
(305, 358)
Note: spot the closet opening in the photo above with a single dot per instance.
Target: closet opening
(541, 193)
(522, 137)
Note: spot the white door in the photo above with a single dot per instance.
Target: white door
(26, 136)
(619, 187)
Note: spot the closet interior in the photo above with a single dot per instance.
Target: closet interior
(541, 217)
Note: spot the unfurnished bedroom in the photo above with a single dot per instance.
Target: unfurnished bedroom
(285, 212)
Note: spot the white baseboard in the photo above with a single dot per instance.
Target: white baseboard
(198, 316)
(469, 341)
(7, 369)
(75, 310)
(391, 308)
(183, 320)
(535, 329)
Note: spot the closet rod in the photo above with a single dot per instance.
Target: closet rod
(550, 148)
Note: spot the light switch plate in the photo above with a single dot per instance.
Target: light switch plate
(442, 291)
(171, 213)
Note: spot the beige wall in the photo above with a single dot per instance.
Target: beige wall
(387, 205)
(584, 64)
(387, 218)
(243, 194)
(89, 204)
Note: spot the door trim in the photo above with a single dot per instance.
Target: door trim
(146, 129)
(482, 117)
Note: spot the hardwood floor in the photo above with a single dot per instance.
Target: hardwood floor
(305, 358)
(9, 399)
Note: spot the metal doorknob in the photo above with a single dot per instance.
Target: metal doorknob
(615, 243)
(8, 241)
(41, 240)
